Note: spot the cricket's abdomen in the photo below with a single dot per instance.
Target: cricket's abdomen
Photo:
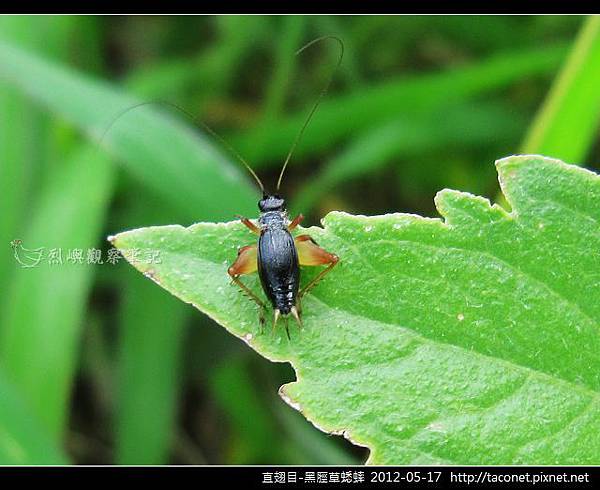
(278, 268)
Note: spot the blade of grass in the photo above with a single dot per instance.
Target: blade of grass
(253, 433)
(24, 129)
(23, 439)
(45, 306)
(284, 67)
(160, 151)
(96, 366)
(467, 124)
(151, 334)
(331, 24)
(152, 326)
(567, 123)
(285, 62)
(263, 428)
(345, 115)
(213, 69)
(33, 145)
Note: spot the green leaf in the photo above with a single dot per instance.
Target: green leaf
(470, 340)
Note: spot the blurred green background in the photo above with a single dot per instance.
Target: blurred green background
(97, 364)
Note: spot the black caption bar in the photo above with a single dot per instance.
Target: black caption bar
(315, 477)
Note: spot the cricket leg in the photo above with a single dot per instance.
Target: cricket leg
(246, 263)
(251, 226)
(310, 254)
(295, 222)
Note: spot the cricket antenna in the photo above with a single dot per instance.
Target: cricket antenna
(317, 102)
(196, 121)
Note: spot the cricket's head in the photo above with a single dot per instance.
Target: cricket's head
(271, 203)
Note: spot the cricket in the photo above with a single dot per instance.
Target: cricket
(277, 256)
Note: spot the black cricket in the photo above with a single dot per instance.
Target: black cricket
(278, 265)
(278, 255)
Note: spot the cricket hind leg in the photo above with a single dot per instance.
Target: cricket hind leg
(310, 254)
(246, 263)
(253, 297)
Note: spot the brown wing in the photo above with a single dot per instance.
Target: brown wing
(246, 262)
(309, 253)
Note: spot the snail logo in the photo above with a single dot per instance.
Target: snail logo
(27, 257)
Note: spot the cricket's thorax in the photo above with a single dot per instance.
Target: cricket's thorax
(273, 219)
(278, 261)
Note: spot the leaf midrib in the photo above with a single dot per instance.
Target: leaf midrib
(527, 371)
(508, 265)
